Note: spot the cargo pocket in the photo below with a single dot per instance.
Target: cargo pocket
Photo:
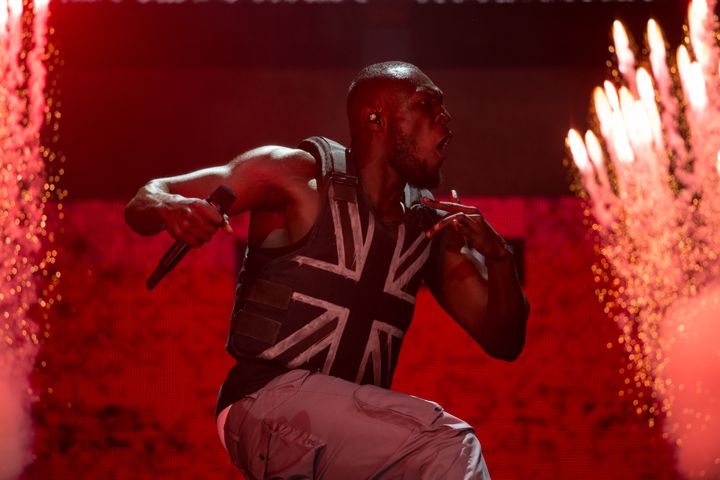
(234, 423)
(285, 453)
(397, 408)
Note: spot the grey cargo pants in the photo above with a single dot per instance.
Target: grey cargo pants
(306, 425)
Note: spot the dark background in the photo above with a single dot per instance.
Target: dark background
(152, 90)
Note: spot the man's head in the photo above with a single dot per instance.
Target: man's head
(397, 105)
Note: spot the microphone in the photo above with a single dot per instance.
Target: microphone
(222, 198)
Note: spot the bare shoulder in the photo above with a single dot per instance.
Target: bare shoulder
(275, 161)
(282, 181)
(265, 165)
(271, 177)
(268, 177)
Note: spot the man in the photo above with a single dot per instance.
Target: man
(328, 287)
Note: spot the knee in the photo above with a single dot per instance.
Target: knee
(469, 458)
(466, 446)
(453, 454)
(470, 443)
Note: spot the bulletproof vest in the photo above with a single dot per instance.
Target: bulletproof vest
(341, 301)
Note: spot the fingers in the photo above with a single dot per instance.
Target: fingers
(189, 234)
(450, 207)
(211, 217)
(199, 235)
(195, 221)
(459, 221)
(227, 228)
(208, 212)
(461, 217)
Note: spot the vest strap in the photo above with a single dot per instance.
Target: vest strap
(344, 192)
(257, 327)
(269, 293)
(332, 160)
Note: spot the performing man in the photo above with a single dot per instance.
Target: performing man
(339, 242)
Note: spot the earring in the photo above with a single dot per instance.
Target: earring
(373, 118)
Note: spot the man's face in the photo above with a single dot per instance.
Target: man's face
(418, 135)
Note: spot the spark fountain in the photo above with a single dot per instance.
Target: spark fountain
(650, 173)
(27, 196)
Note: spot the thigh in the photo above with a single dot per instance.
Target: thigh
(263, 446)
(318, 426)
(360, 436)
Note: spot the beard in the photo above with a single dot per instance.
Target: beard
(404, 159)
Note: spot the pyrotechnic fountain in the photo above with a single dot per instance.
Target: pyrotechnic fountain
(650, 172)
(27, 257)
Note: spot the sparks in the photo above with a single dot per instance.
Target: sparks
(25, 255)
(654, 197)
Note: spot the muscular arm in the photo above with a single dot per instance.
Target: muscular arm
(262, 178)
(481, 292)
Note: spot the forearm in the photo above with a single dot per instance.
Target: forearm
(503, 328)
(478, 284)
(144, 212)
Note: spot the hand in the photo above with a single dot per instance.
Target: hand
(193, 221)
(470, 223)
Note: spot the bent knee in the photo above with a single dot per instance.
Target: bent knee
(470, 443)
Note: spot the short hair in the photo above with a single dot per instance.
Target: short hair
(369, 81)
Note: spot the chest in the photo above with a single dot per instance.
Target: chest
(350, 245)
(292, 222)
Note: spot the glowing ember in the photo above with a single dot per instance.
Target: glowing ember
(577, 147)
(25, 260)
(652, 183)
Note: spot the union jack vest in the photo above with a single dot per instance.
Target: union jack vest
(341, 301)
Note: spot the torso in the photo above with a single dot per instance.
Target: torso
(332, 232)
(288, 224)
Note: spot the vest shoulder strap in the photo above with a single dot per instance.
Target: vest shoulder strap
(413, 195)
(331, 159)
(333, 163)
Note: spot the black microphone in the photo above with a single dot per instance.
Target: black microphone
(222, 198)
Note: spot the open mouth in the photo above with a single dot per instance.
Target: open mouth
(442, 146)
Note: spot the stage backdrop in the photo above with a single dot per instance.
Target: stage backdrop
(130, 377)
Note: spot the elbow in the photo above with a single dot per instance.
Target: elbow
(508, 343)
(130, 215)
(132, 218)
(508, 351)
(517, 343)
(512, 352)
(129, 212)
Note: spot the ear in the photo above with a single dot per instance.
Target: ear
(373, 118)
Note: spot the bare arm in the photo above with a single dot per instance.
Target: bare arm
(473, 277)
(261, 179)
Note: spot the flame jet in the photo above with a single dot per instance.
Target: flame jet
(651, 175)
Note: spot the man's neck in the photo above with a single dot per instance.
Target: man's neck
(379, 181)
